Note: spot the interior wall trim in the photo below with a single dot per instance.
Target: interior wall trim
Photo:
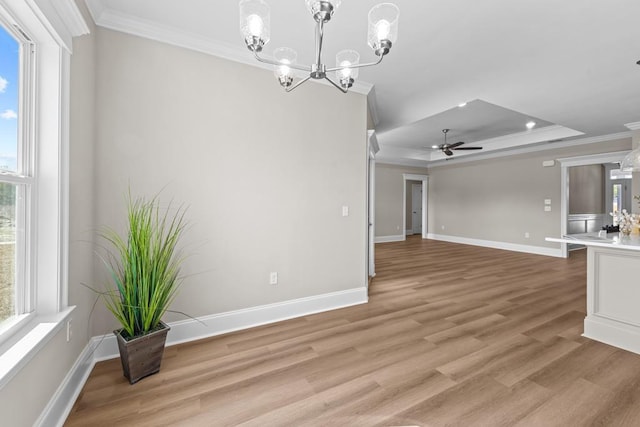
(105, 347)
(515, 247)
(59, 407)
(381, 159)
(231, 321)
(388, 239)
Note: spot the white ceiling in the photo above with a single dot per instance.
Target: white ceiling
(570, 65)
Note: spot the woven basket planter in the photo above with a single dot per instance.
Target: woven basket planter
(142, 356)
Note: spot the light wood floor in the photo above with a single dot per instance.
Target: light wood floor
(452, 335)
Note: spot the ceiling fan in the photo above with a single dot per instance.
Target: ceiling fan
(446, 148)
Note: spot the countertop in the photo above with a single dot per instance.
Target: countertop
(612, 240)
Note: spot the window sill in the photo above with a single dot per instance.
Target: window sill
(30, 339)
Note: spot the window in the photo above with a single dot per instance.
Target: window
(34, 133)
(618, 174)
(15, 172)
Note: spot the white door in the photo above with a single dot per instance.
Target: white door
(416, 208)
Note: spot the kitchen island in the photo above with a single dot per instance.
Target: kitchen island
(613, 288)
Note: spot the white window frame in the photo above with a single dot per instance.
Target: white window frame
(50, 26)
(23, 176)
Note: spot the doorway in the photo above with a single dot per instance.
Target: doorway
(415, 208)
(609, 161)
(417, 204)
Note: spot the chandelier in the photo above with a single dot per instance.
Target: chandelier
(255, 28)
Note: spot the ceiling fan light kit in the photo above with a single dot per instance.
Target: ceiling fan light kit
(255, 28)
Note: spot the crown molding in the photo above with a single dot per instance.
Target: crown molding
(633, 126)
(71, 16)
(536, 148)
(96, 8)
(125, 23)
(62, 18)
(391, 160)
(592, 159)
(515, 140)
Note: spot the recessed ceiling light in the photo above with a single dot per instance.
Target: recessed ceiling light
(434, 146)
(462, 104)
(531, 124)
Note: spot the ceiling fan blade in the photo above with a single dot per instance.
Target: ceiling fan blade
(448, 152)
(468, 148)
(455, 144)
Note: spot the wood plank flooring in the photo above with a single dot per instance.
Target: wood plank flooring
(452, 335)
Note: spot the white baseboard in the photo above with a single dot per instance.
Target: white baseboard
(537, 250)
(614, 333)
(58, 408)
(387, 239)
(217, 324)
(105, 347)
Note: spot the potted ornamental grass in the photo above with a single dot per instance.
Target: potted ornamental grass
(144, 270)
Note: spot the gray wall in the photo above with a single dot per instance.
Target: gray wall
(501, 199)
(389, 197)
(265, 188)
(264, 183)
(586, 189)
(23, 399)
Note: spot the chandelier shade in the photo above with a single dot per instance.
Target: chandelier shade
(255, 29)
(286, 57)
(347, 61)
(255, 23)
(383, 27)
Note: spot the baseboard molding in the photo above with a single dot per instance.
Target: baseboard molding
(58, 408)
(537, 250)
(616, 334)
(388, 239)
(105, 347)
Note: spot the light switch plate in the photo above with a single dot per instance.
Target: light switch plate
(547, 201)
(547, 208)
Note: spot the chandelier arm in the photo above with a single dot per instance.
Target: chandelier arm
(343, 90)
(368, 64)
(276, 63)
(290, 88)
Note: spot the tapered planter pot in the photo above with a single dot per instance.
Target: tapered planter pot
(142, 356)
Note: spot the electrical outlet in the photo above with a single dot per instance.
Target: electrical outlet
(443, 227)
(273, 278)
(526, 235)
(69, 332)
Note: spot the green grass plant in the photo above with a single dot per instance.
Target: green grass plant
(144, 266)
